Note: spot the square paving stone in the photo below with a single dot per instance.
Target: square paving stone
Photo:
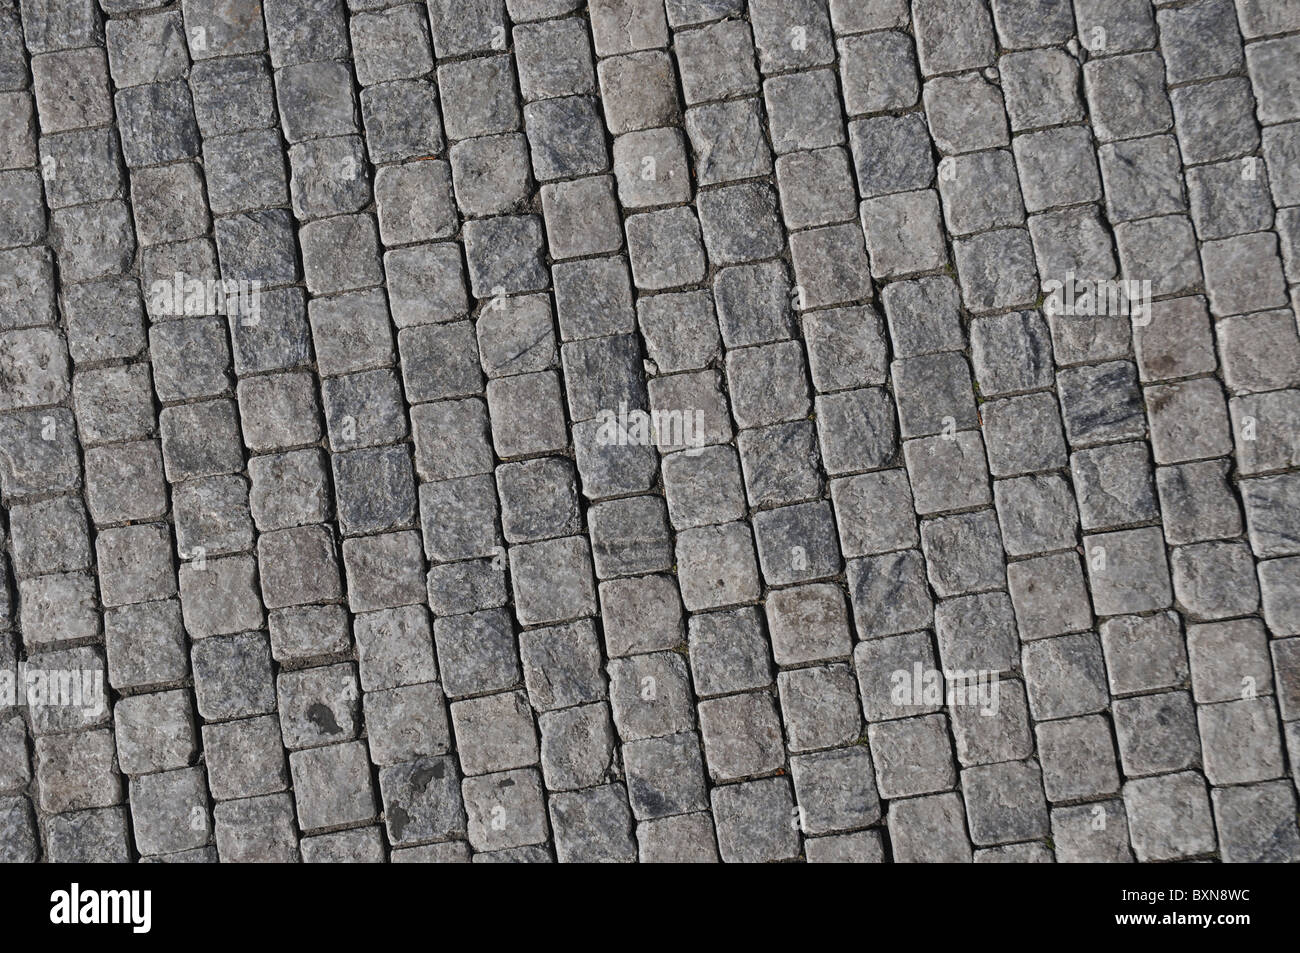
(577, 746)
(232, 676)
(1005, 802)
(406, 723)
(395, 648)
(820, 707)
(728, 141)
(1049, 596)
(780, 464)
(476, 652)
(665, 776)
(318, 705)
(637, 90)
(912, 756)
(495, 733)
(716, 62)
(1144, 653)
(505, 810)
(889, 594)
(1065, 676)
(742, 735)
(332, 785)
(680, 330)
(562, 665)
(564, 136)
(552, 580)
(422, 800)
(169, 811)
(728, 652)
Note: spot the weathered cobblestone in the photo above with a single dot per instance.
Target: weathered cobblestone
(646, 416)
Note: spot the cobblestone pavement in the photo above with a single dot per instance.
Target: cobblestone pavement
(528, 430)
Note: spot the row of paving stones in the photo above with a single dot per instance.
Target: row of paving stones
(273, 501)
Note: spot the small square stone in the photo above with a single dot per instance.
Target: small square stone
(539, 499)
(630, 536)
(820, 706)
(318, 705)
(803, 110)
(145, 644)
(716, 61)
(904, 234)
(742, 735)
(565, 138)
(728, 652)
(680, 330)
(779, 463)
(169, 811)
(1101, 402)
(641, 615)
(332, 785)
(1049, 596)
(71, 88)
(665, 249)
(739, 223)
(947, 473)
(1214, 580)
(304, 632)
(1241, 741)
(878, 72)
(1005, 802)
(728, 141)
(491, 175)
(940, 50)
(562, 665)
(515, 800)
(503, 255)
(874, 513)
(577, 745)
(716, 566)
(476, 652)
(402, 120)
(637, 90)
(415, 203)
(964, 113)
(232, 676)
(768, 384)
(963, 553)
(390, 44)
(527, 416)
(891, 154)
(1041, 88)
(395, 648)
(665, 776)
(1144, 653)
(1065, 676)
(650, 695)
(912, 756)
(495, 732)
(426, 283)
(889, 594)
(1023, 434)
(997, 270)
(1254, 823)
(477, 96)
(552, 580)
(797, 543)
(977, 633)
(1126, 96)
(930, 829)
(245, 758)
